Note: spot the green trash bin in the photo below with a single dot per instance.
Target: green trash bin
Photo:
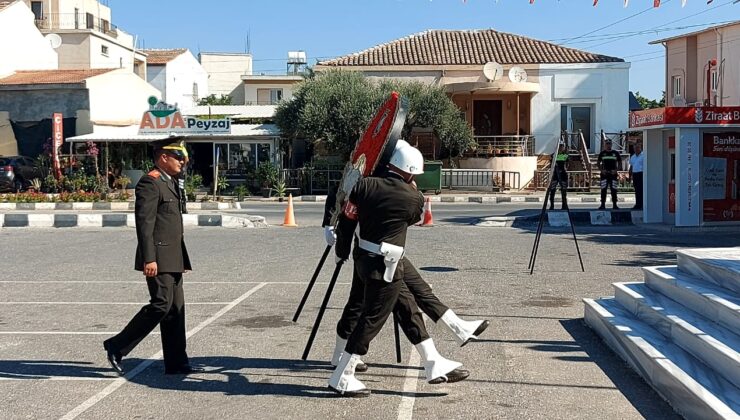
(431, 179)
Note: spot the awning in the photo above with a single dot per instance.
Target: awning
(130, 134)
(499, 86)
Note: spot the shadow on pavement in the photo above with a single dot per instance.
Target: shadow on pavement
(47, 369)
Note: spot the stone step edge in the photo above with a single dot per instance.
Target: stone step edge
(689, 331)
(704, 269)
(683, 392)
(694, 293)
(50, 220)
(129, 205)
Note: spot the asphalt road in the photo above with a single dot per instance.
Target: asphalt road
(311, 214)
(62, 292)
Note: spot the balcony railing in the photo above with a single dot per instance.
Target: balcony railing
(493, 146)
(85, 21)
(480, 179)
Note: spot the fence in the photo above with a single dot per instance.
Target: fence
(312, 181)
(490, 146)
(581, 181)
(480, 178)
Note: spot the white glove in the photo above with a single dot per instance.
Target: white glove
(329, 236)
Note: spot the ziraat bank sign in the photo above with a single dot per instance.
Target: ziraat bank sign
(162, 118)
(701, 115)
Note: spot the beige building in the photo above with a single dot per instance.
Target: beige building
(89, 39)
(224, 73)
(703, 67)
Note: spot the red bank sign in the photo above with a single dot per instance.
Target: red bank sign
(701, 115)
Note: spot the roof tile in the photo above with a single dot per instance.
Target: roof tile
(161, 56)
(472, 47)
(41, 77)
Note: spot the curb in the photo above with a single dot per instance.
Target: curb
(50, 220)
(558, 218)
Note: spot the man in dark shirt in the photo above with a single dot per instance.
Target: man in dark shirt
(384, 208)
(609, 162)
(559, 177)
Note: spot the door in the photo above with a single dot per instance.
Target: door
(487, 118)
(577, 117)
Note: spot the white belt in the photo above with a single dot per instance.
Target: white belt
(391, 254)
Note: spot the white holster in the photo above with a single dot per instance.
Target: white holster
(391, 254)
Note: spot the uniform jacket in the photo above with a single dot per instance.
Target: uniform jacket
(159, 228)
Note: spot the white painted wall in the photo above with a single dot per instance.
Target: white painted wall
(157, 77)
(604, 87)
(118, 98)
(250, 91)
(181, 74)
(224, 73)
(23, 46)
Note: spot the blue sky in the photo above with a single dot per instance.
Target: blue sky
(329, 28)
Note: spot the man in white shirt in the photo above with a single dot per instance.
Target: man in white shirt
(637, 163)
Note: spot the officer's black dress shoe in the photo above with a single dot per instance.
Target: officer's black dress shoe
(478, 331)
(114, 358)
(184, 370)
(456, 375)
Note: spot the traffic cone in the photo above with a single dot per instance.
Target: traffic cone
(428, 220)
(289, 220)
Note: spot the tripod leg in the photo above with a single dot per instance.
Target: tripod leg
(311, 283)
(578, 250)
(398, 338)
(536, 243)
(320, 315)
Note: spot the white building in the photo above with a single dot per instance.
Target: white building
(89, 38)
(177, 75)
(23, 46)
(224, 73)
(540, 88)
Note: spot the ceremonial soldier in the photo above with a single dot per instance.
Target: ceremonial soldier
(384, 208)
(560, 177)
(609, 161)
(162, 257)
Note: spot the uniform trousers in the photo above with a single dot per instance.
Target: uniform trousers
(609, 180)
(414, 284)
(380, 299)
(558, 179)
(637, 182)
(166, 308)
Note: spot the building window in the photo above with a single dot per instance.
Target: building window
(37, 8)
(269, 96)
(77, 18)
(104, 50)
(104, 26)
(90, 21)
(195, 92)
(677, 86)
(715, 80)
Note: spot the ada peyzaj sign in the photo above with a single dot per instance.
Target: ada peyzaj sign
(163, 118)
(689, 115)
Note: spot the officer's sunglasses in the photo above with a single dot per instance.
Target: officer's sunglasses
(177, 155)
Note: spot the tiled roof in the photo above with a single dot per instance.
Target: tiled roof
(43, 77)
(162, 56)
(5, 3)
(474, 47)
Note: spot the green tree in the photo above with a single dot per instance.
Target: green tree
(216, 100)
(335, 107)
(646, 103)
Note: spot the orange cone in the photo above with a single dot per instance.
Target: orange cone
(428, 220)
(289, 220)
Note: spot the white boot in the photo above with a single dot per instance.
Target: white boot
(343, 379)
(437, 368)
(465, 331)
(339, 350)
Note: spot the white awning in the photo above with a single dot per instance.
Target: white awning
(130, 134)
(499, 86)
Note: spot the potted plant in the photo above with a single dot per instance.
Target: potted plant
(221, 186)
(134, 175)
(280, 189)
(267, 176)
(241, 191)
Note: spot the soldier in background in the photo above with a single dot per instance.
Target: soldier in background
(559, 177)
(609, 162)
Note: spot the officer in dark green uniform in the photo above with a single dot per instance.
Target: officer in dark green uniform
(560, 177)
(609, 161)
(162, 257)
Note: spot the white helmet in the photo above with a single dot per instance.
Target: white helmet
(407, 158)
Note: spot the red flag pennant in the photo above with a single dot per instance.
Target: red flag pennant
(531, 1)
(656, 3)
(596, 2)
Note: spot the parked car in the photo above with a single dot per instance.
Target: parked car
(17, 172)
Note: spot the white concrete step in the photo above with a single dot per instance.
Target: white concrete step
(711, 301)
(694, 390)
(717, 265)
(714, 345)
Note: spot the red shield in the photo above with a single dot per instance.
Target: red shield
(374, 149)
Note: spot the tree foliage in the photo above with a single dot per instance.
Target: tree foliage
(335, 107)
(646, 103)
(215, 100)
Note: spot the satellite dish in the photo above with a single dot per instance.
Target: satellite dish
(517, 75)
(55, 40)
(493, 71)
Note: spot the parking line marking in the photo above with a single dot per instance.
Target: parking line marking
(65, 332)
(406, 406)
(104, 303)
(144, 364)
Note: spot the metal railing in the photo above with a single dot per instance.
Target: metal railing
(480, 178)
(53, 21)
(582, 180)
(312, 181)
(492, 146)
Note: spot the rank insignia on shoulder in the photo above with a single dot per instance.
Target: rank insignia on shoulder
(154, 173)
